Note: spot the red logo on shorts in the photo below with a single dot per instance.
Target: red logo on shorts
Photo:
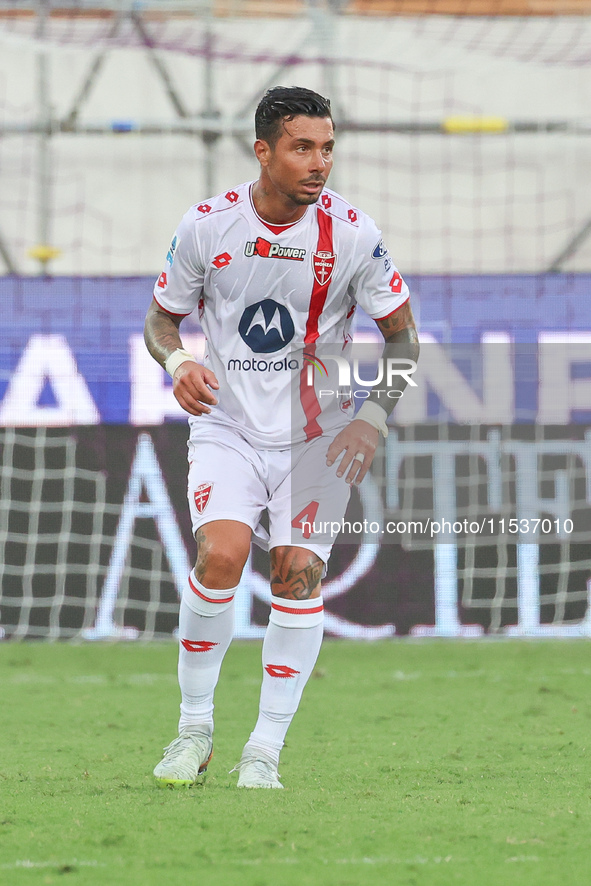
(162, 281)
(202, 496)
(198, 645)
(280, 671)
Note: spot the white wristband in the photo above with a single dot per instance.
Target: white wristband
(176, 358)
(375, 415)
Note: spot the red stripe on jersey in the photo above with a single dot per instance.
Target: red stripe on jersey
(379, 319)
(308, 396)
(209, 599)
(319, 290)
(166, 311)
(293, 611)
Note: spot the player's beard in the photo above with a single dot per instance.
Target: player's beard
(306, 199)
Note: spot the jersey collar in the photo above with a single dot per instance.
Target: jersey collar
(275, 229)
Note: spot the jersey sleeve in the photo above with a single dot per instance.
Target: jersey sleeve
(180, 285)
(376, 284)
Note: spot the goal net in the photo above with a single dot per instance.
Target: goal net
(460, 530)
(505, 512)
(95, 534)
(71, 563)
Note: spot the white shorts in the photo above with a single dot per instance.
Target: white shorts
(230, 480)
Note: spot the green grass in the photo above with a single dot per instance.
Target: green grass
(408, 763)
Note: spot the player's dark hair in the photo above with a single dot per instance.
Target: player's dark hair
(284, 103)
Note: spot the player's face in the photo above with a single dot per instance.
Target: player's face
(300, 162)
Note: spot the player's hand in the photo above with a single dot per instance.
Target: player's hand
(191, 385)
(359, 440)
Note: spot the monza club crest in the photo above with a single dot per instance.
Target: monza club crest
(202, 495)
(323, 265)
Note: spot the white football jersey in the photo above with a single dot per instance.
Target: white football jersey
(267, 297)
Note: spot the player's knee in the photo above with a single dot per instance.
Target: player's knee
(220, 567)
(295, 572)
(222, 551)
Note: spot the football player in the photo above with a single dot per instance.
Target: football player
(275, 268)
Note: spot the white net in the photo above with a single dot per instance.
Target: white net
(97, 554)
(67, 566)
(506, 512)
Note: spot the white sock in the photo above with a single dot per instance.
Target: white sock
(290, 649)
(206, 627)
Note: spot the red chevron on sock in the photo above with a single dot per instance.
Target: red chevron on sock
(198, 645)
(280, 671)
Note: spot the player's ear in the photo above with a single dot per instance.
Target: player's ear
(262, 151)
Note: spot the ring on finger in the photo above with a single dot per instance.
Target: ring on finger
(360, 457)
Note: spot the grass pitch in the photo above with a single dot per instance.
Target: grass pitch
(408, 763)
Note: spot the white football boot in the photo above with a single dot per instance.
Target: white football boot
(185, 760)
(257, 770)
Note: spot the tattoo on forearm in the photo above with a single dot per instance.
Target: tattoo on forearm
(293, 578)
(401, 342)
(406, 335)
(161, 335)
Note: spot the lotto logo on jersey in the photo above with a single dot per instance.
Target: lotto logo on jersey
(201, 496)
(265, 249)
(396, 283)
(222, 260)
(323, 265)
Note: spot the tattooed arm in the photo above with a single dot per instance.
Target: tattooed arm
(401, 344)
(191, 382)
(360, 438)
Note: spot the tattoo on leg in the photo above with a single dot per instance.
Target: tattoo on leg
(202, 555)
(294, 575)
